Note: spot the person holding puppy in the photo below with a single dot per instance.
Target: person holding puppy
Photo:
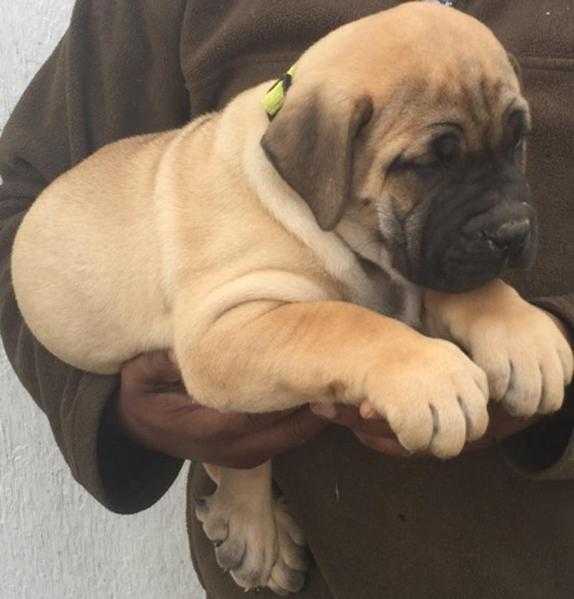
(376, 526)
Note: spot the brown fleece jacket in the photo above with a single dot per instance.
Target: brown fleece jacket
(377, 527)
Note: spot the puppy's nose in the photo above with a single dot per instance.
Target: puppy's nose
(510, 237)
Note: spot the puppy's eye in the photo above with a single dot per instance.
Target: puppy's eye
(443, 152)
(446, 148)
(398, 163)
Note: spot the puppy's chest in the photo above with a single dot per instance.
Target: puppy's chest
(388, 293)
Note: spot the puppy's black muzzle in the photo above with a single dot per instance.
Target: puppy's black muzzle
(478, 227)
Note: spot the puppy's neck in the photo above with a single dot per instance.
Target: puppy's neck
(401, 298)
(341, 252)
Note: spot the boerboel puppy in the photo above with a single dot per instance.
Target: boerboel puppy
(286, 260)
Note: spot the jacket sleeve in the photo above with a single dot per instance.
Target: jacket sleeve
(546, 450)
(115, 73)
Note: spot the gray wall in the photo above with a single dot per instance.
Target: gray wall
(56, 541)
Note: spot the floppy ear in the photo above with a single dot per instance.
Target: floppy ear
(310, 144)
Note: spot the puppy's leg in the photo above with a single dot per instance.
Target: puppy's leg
(254, 536)
(267, 355)
(525, 356)
(263, 356)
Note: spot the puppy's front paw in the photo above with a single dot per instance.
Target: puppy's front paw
(434, 399)
(261, 546)
(526, 358)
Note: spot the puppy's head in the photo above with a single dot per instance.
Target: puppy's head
(411, 124)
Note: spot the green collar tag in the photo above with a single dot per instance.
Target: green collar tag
(275, 97)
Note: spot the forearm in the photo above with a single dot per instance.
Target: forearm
(133, 477)
(270, 356)
(430, 393)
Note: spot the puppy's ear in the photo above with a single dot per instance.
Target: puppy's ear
(516, 67)
(310, 144)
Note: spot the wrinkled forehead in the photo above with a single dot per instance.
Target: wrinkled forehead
(471, 94)
(418, 59)
(474, 89)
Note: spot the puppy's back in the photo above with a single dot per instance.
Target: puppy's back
(85, 262)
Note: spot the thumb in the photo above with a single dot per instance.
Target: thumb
(385, 445)
(290, 432)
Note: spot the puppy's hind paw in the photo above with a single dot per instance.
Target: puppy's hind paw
(288, 573)
(260, 546)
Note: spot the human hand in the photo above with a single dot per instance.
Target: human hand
(376, 434)
(155, 411)
(373, 432)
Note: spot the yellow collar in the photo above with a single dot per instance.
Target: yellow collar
(275, 97)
